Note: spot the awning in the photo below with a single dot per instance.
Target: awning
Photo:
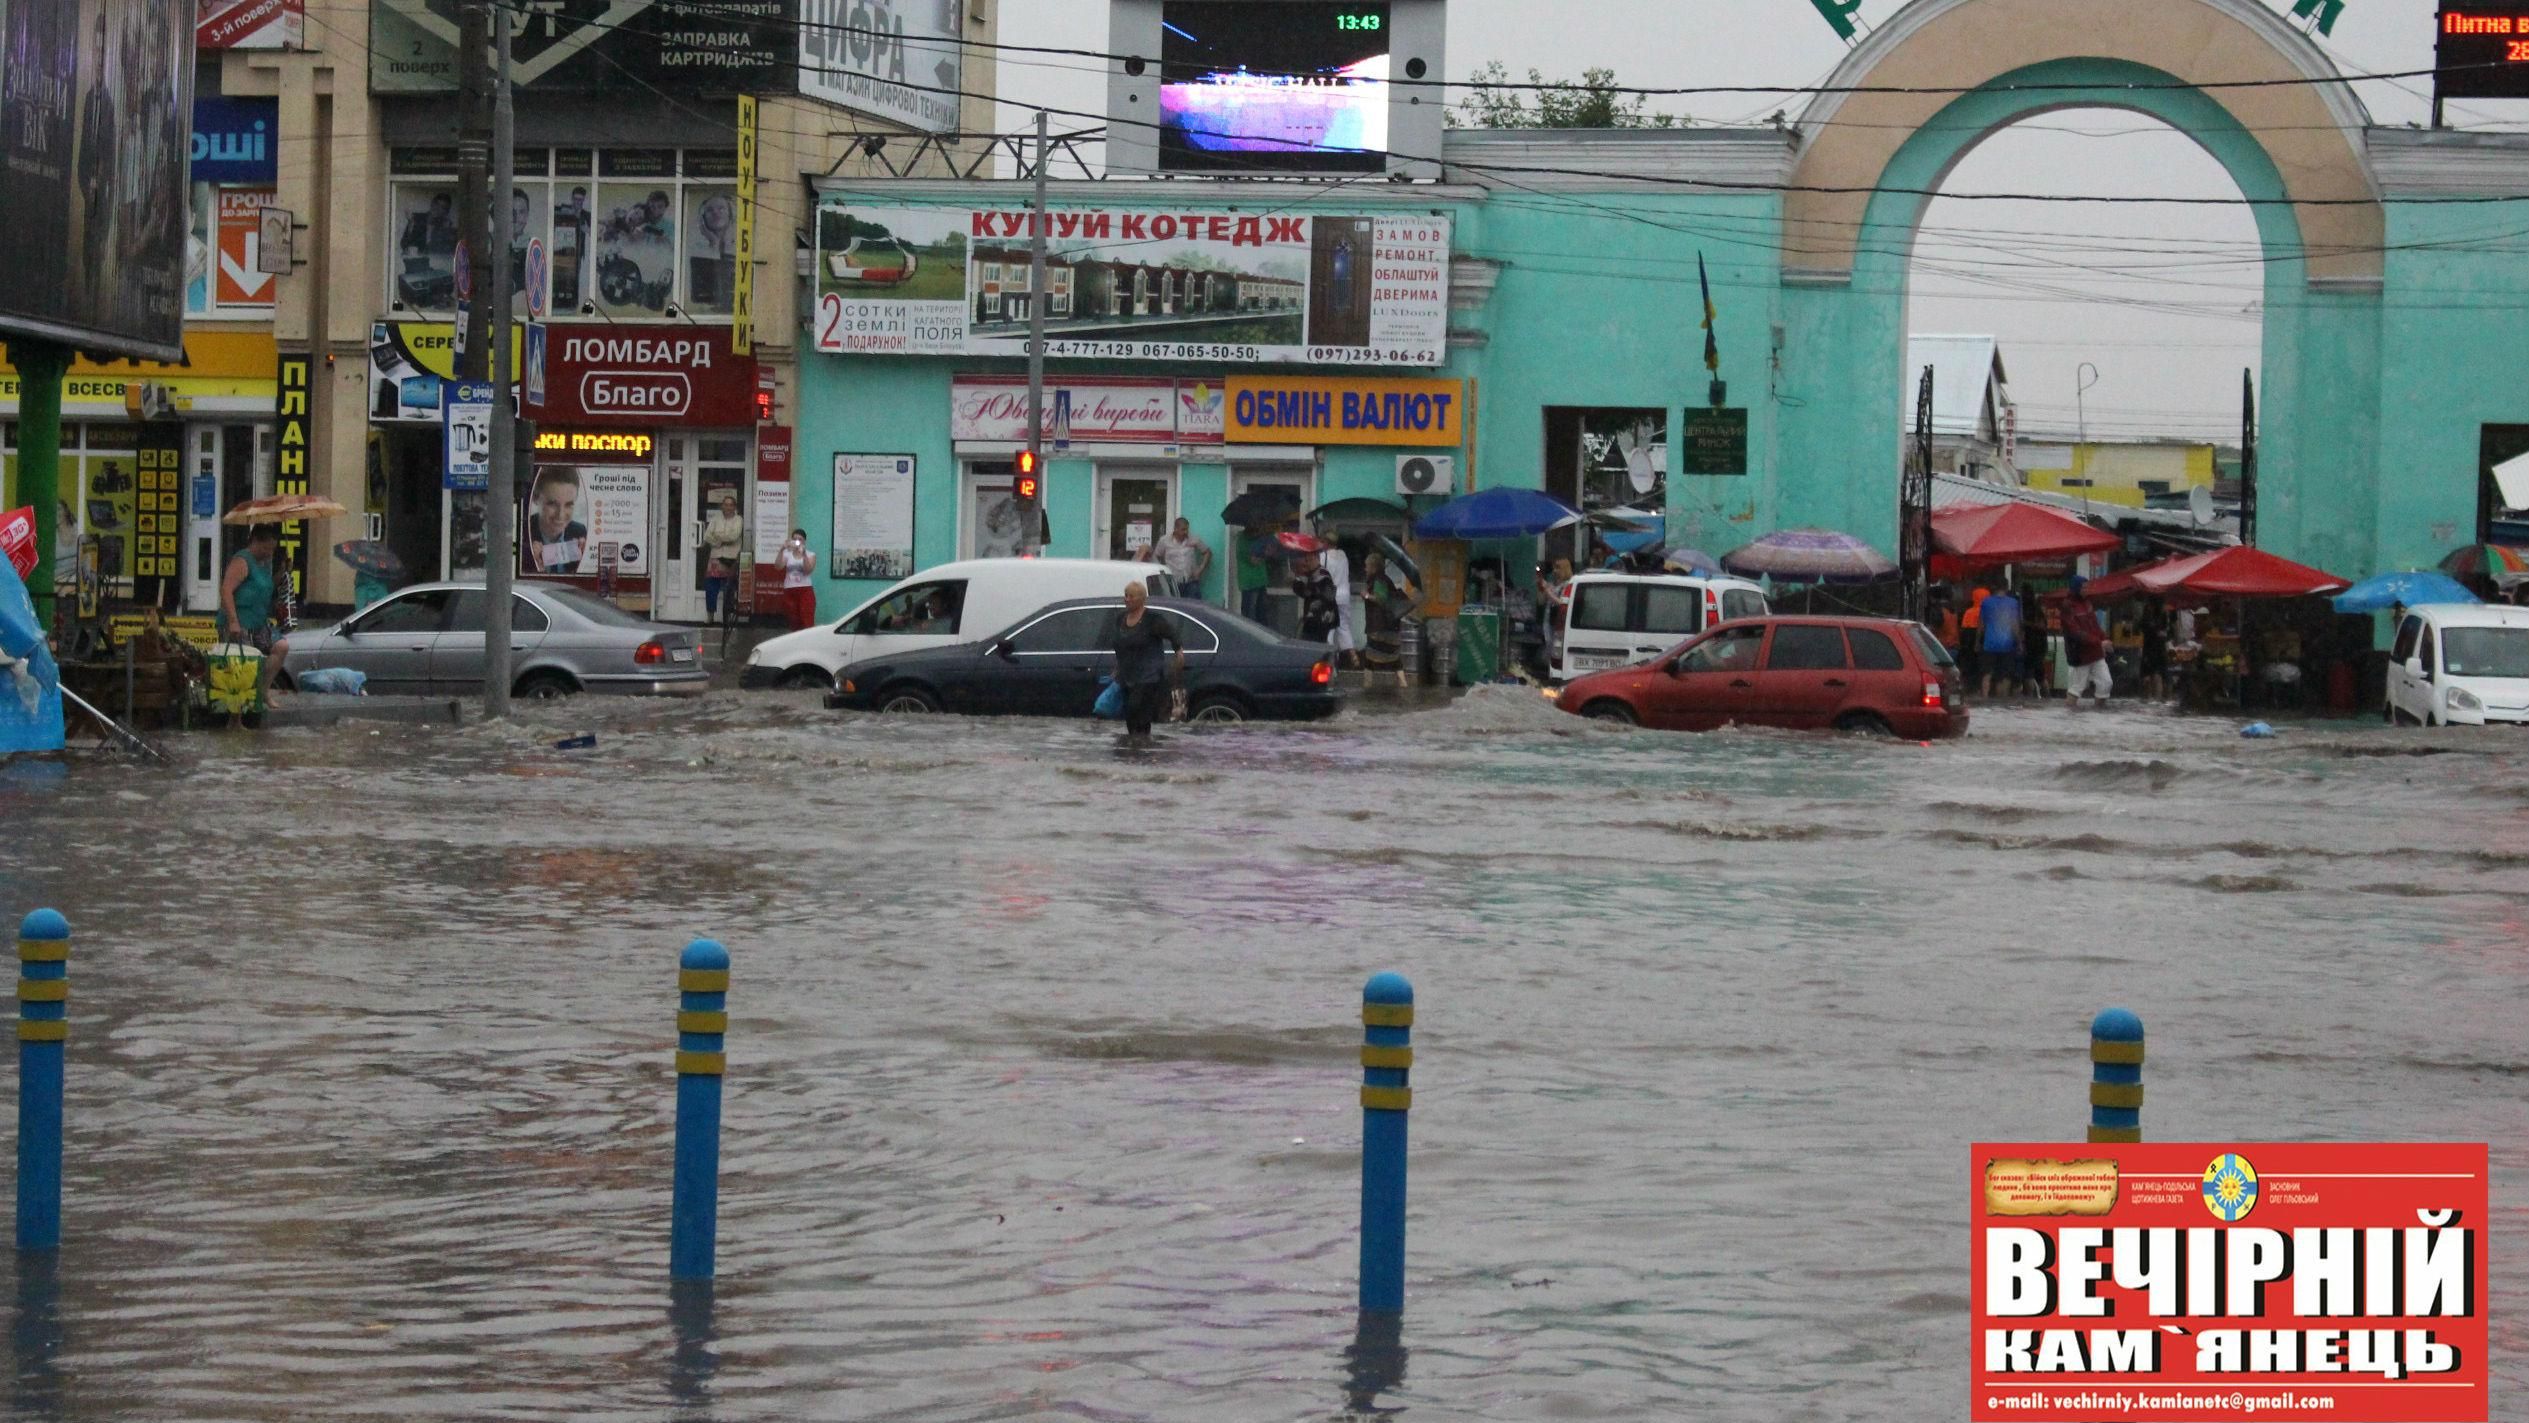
(2223, 573)
(1990, 534)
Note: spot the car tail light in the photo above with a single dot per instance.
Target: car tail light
(1321, 672)
(649, 654)
(1712, 607)
(1931, 694)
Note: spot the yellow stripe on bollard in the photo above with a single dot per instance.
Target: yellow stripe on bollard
(1398, 1057)
(2130, 1054)
(43, 990)
(1387, 1099)
(2116, 1094)
(2113, 1134)
(43, 950)
(702, 1064)
(1387, 1015)
(702, 1022)
(53, 1031)
(702, 980)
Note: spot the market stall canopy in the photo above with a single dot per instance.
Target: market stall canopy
(283, 509)
(1498, 513)
(2230, 573)
(2500, 562)
(2388, 590)
(1809, 556)
(1991, 534)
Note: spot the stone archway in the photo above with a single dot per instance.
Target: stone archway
(2295, 148)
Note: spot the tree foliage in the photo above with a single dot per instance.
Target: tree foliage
(1590, 102)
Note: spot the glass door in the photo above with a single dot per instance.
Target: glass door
(699, 473)
(1259, 570)
(1135, 506)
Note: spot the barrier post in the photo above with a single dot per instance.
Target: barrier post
(43, 1037)
(2116, 1076)
(1387, 1060)
(702, 1022)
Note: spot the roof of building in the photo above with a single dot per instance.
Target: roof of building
(1965, 371)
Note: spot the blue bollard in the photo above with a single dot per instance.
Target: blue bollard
(43, 1037)
(2116, 1076)
(702, 1022)
(1387, 1061)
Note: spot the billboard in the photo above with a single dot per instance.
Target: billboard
(96, 110)
(891, 59)
(1135, 283)
(250, 24)
(1273, 84)
(626, 46)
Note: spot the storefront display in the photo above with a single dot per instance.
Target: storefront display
(578, 520)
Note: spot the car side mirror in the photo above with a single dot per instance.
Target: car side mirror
(998, 647)
(2414, 666)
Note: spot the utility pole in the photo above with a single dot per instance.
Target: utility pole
(474, 161)
(500, 496)
(1034, 517)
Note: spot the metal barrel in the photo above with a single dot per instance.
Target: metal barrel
(2116, 1076)
(702, 1023)
(1387, 1061)
(43, 1040)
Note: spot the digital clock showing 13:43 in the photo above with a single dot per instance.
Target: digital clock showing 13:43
(1348, 21)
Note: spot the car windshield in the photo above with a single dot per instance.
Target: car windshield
(2485, 652)
(596, 610)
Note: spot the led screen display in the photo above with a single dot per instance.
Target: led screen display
(1273, 85)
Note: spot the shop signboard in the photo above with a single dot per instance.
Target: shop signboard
(233, 140)
(646, 375)
(2171, 1282)
(1344, 410)
(96, 105)
(647, 47)
(1121, 409)
(1134, 283)
(896, 60)
(873, 517)
(575, 512)
(293, 440)
(242, 283)
(250, 24)
(408, 361)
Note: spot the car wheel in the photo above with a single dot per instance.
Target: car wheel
(1616, 712)
(544, 687)
(801, 679)
(905, 701)
(1863, 724)
(1216, 710)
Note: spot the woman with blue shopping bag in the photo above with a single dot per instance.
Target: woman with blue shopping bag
(1141, 674)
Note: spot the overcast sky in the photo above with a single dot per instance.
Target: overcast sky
(2170, 365)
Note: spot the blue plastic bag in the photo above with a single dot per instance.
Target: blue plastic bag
(334, 681)
(1110, 699)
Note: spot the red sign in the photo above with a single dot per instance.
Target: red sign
(2183, 1282)
(240, 280)
(17, 540)
(646, 375)
(772, 512)
(250, 24)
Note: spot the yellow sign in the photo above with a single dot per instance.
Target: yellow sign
(742, 286)
(219, 364)
(593, 442)
(1343, 410)
(431, 346)
(202, 632)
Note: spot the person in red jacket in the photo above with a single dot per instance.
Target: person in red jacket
(2085, 648)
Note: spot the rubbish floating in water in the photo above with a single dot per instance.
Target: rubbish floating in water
(581, 742)
(2256, 730)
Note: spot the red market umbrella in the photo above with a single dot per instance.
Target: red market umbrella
(1298, 542)
(2108, 587)
(2234, 573)
(1983, 535)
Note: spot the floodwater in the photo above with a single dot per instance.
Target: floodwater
(1042, 1090)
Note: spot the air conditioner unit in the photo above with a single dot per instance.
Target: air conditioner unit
(1426, 474)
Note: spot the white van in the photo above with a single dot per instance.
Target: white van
(1608, 619)
(953, 603)
(2462, 663)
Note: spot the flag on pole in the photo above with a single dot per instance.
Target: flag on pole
(1712, 345)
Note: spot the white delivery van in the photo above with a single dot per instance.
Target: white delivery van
(953, 603)
(2463, 663)
(1608, 619)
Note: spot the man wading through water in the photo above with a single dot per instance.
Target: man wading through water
(1136, 636)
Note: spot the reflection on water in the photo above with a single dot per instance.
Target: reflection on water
(1041, 1095)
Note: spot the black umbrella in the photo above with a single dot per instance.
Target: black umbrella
(1259, 508)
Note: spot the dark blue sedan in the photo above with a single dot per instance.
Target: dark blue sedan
(1050, 662)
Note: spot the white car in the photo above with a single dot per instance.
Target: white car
(2459, 663)
(938, 607)
(1605, 620)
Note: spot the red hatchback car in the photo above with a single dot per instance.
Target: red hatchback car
(1803, 673)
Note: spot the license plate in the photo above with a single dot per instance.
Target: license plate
(680, 654)
(1597, 663)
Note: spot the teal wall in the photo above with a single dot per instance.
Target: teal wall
(2455, 330)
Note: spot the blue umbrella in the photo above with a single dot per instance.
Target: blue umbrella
(1636, 540)
(2383, 590)
(1499, 513)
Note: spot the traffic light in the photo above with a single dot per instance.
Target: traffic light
(1025, 485)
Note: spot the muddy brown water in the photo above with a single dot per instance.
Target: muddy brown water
(1041, 1101)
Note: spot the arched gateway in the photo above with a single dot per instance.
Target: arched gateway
(2386, 347)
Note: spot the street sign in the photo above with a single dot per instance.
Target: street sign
(535, 356)
(465, 318)
(467, 413)
(465, 271)
(274, 234)
(1062, 418)
(538, 278)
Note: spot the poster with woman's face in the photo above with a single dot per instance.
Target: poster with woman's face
(635, 249)
(711, 249)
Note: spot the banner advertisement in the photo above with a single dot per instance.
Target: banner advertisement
(873, 517)
(619, 373)
(742, 266)
(294, 439)
(251, 24)
(1134, 283)
(772, 513)
(96, 104)
(891, 59)
(409, 360)
(466, 462)
(579, 516)
(653, 46)
(2174, 1282)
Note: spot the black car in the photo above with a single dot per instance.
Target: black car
(1050, 662)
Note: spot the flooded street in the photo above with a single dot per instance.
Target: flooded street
(1042, 1090)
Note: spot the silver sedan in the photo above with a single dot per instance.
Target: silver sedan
(428, 640)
